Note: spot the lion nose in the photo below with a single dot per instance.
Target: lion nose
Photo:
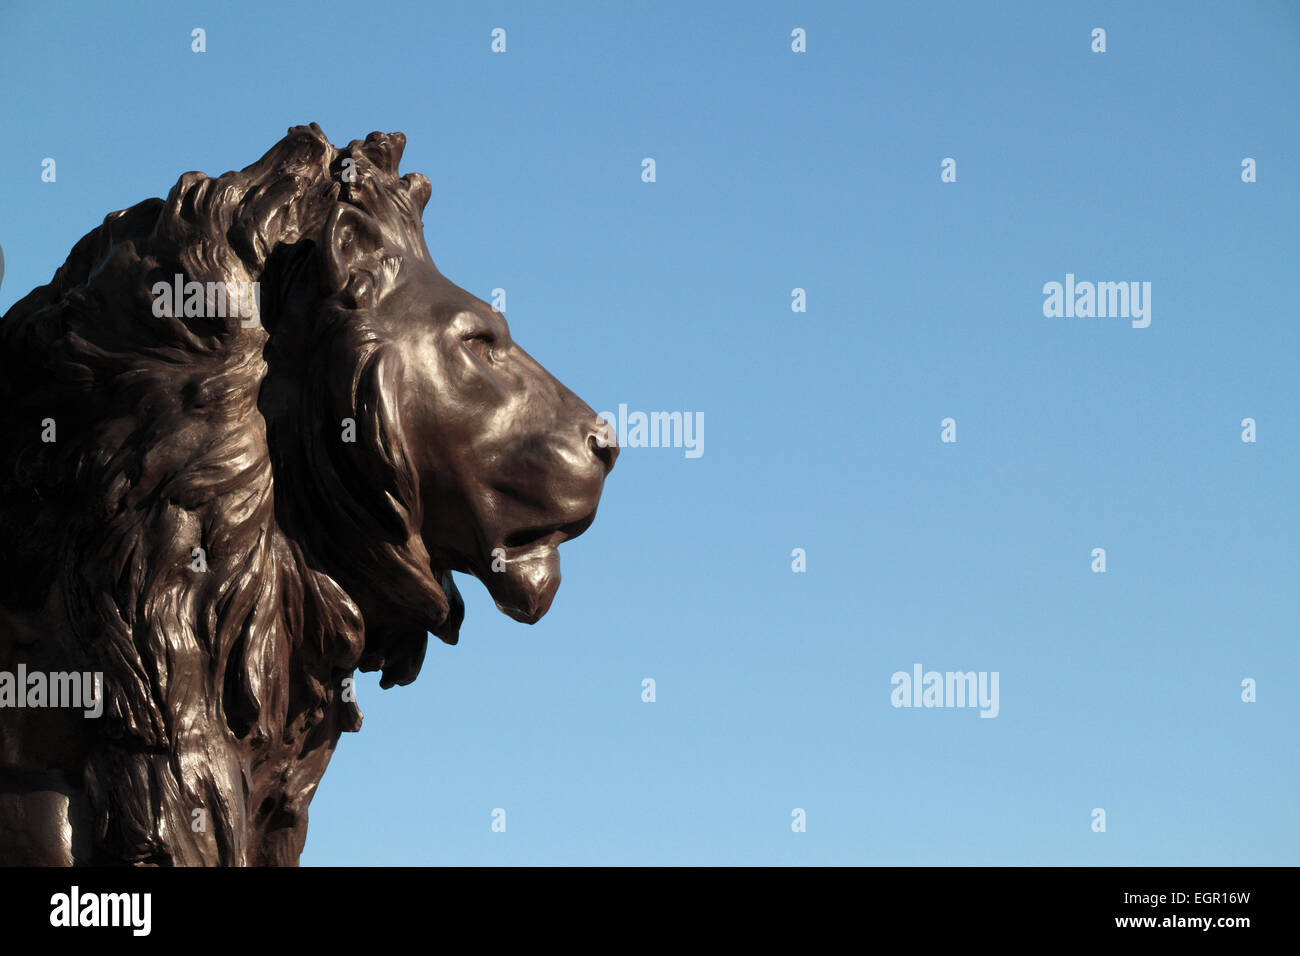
(603, 443)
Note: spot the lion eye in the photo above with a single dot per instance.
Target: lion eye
(480, 343)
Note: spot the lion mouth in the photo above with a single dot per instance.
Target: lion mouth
(548, 535)
(523, 573)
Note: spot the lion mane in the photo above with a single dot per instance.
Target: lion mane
(224, 668)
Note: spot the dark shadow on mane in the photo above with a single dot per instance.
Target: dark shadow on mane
(183, 433)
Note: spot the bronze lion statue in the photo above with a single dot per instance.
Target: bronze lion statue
(249, 432)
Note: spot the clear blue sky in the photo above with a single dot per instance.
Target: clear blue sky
(820, 170)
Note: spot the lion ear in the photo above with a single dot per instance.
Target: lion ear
(352, 247)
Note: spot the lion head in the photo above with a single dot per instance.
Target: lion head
(227, 510)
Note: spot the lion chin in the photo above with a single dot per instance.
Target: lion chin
(526, 590)
(527, 586)
(244, 507)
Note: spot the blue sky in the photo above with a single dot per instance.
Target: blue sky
(821, 171)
